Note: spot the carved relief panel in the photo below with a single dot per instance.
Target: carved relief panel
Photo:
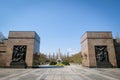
(101, 54)
(19, 53)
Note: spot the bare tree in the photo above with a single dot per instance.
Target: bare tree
(2, 37)
(118, 38)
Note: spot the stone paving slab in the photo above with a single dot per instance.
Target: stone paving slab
(72, 72)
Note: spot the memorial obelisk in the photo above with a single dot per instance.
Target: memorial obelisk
(59, 60)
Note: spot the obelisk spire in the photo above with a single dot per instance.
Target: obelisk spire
(59, 56)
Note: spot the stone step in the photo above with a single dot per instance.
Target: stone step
(104, 65)
(18, 65)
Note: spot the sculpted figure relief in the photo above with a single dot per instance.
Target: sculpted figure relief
(84, 56)
(19, 53)
(101, 53)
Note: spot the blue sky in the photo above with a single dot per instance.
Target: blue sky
(60, 23)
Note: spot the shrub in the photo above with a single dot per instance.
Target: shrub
(66, 63)
(53, 63)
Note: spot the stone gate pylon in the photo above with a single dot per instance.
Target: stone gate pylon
(98, 49)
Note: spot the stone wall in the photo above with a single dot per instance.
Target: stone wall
(117, 51)
(3, 53)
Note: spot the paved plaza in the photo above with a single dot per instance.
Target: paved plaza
(73, 72)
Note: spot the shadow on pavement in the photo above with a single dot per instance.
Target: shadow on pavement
(48, 67)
